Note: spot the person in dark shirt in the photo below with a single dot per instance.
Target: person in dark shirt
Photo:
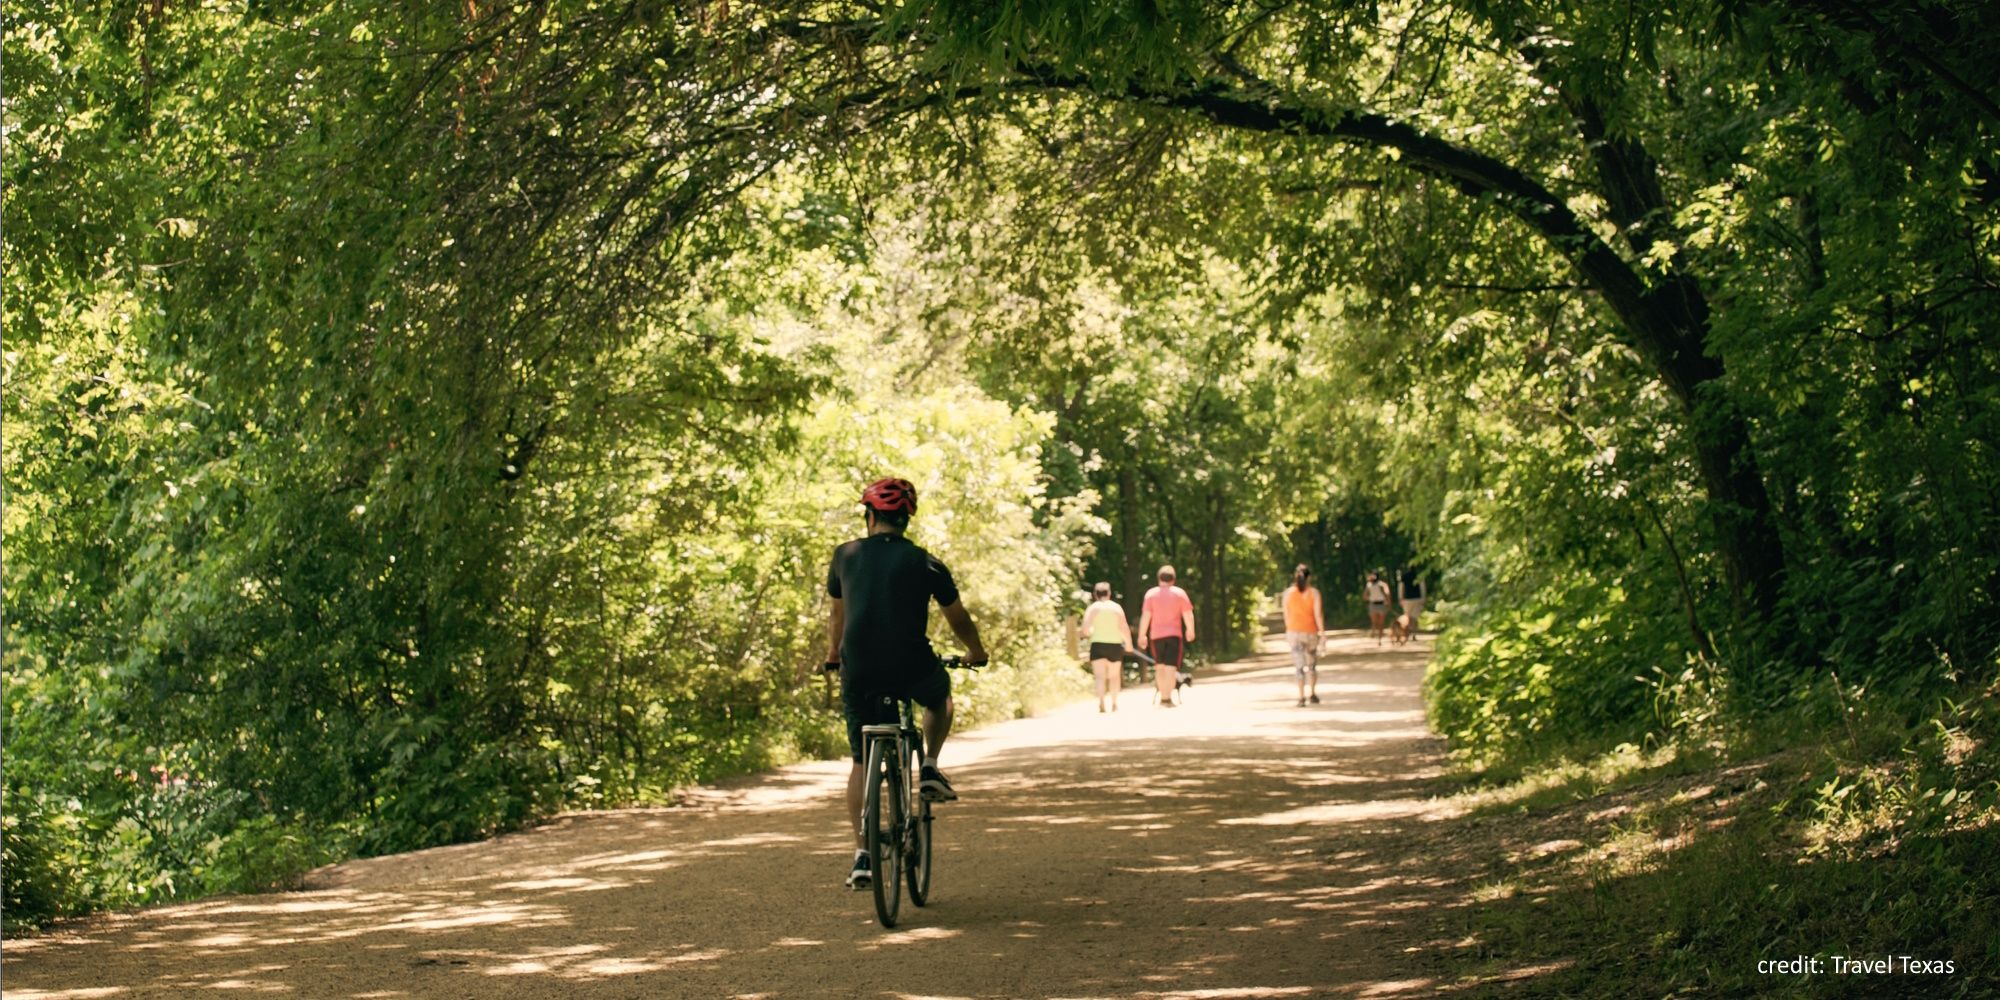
(881, 586)
(1413, 593)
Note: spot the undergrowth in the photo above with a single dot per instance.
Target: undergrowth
(1839, 827)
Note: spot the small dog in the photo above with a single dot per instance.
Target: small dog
(1399, 628)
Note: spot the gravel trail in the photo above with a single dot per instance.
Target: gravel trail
(1237, 846)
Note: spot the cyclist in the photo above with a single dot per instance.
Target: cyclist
(1110, 636)
(1303, 625)
(1166, 625)
(881, 585)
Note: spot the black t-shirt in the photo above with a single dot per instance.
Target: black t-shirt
(888, 583)
(1413, 587)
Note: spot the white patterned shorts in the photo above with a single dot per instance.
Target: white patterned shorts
(1305, 652)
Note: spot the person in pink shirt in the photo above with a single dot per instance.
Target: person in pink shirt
(1166, 626)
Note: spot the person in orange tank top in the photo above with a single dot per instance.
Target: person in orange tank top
(1303, 624)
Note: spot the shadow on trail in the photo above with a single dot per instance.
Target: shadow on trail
(1237, 846)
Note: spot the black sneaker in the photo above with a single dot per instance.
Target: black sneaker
(933, 786)
(863, 875)
(1315, 699)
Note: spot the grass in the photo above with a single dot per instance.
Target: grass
(1674, 872)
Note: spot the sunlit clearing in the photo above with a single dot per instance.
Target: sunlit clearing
(915, 934)
(1395, 987)
(76, 994)
(1346, 812)
(585, 962)
(561, 883)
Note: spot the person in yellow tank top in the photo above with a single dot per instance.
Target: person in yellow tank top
(1303, 624)
(1110, 635)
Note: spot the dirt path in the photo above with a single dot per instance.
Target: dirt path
(1236, 847)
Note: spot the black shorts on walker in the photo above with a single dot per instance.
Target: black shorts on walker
(875, 703)
(1107, 650)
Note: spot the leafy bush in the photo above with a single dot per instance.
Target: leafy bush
(263, 854)
(42, 858)
(1577, 666)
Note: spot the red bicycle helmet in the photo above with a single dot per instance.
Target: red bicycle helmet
(890, 496)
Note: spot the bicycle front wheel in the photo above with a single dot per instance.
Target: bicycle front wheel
(920, 853)
(917, 839)
(884, 815)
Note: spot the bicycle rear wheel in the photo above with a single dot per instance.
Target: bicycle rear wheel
(884, 817)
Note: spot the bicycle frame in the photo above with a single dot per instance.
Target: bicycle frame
(890, 827)
(897, 832)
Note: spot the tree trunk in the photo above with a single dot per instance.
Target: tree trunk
(1134, 574)
(1676, 315)
(1222, 599)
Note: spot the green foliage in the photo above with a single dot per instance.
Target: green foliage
(423, 419)
(1702, 917)
(1349, 538)
(1867, 837)
(262, 854)
(1574, 666)
(43, 861)
(983, 510)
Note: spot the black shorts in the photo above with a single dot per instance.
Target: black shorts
(1167, 650)
(1107, 650)
(876, 705)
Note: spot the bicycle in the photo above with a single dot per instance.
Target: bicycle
(898, 841)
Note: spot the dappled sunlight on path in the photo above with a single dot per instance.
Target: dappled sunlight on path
(1231, 847)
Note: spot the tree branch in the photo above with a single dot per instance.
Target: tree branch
(1658, 337)
(1473, 286)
